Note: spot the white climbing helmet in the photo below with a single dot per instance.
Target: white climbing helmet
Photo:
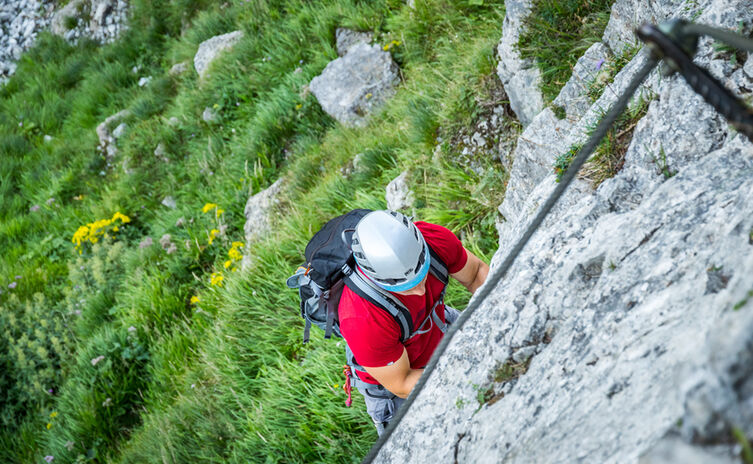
(390, 250)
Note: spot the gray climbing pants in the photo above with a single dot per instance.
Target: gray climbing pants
(381, 404)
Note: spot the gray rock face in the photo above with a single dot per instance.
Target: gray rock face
(345, 39)
(629, 14)
(574, 95)
(353, 86)
(258, 210)
(210, 49)
(629, 314)
(399, 195)
(520, 78)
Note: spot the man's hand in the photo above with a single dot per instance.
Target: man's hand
(473, 273)
(398, 377)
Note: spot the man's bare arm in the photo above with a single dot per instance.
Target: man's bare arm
(398, 377)
(473, 273)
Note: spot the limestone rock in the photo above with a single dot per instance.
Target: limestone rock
(209, 116)
(108, 132)
(353, 86)
(107, 19)
(210, 49)
(521, 78)
(673, 450)
(169, 202)
(178, 68)
(258, 212)
(346, 39)
(100, 11)
(627, 15)
(574, 95)
(398, 194)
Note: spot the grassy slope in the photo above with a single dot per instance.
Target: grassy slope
(225, 379)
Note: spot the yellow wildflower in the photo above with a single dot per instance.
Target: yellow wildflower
(220, 211)
(49, 426)
(123, 218)
(212, 234)
(216, 279)
(298, 106)
(195, 299)
(53, 414)
(228, 263)
(208, 207)
(234, 254)
(237, 245)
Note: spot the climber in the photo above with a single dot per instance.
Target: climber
(412, 261)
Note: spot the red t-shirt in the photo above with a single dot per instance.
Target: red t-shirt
(374, 336)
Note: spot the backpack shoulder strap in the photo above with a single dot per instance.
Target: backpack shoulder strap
(381, 298)
(438, 268)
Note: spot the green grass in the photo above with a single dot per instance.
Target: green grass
(556, 33)
(226, 378)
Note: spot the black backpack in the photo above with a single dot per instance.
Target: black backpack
(330, 265)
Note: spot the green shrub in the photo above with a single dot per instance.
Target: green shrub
(34, 344)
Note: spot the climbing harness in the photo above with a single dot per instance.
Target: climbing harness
(672, 42)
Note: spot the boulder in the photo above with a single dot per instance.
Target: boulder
(356, 84)
(258, 213)
(398, 194)
(210, 49)
(209, 115)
